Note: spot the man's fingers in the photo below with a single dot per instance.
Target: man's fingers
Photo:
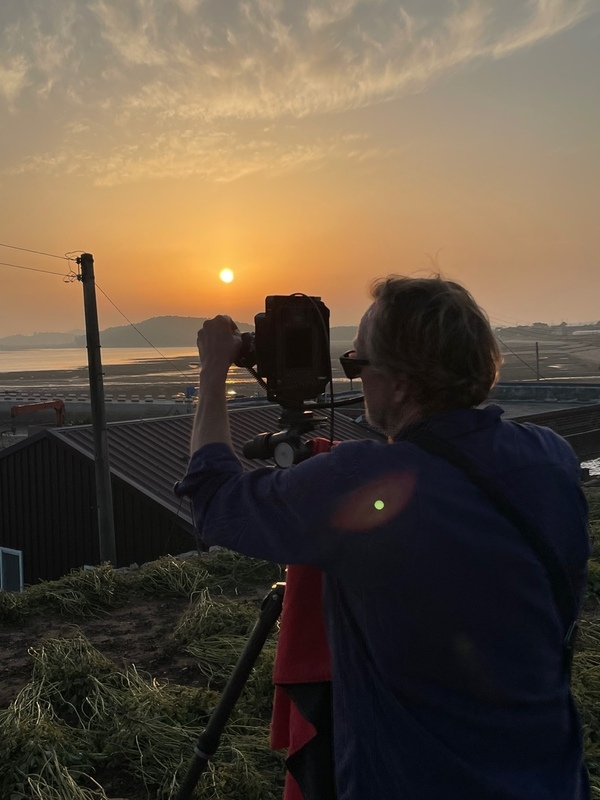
(219, 338)
(221, 321)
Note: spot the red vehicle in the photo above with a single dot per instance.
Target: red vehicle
(57, 405)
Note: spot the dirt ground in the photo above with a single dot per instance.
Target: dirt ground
(138, 633)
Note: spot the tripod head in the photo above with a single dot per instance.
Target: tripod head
(286, 446)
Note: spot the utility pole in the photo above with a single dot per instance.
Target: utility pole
(106, 519)
(537, 360)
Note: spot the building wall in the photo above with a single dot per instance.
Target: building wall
(48, 511)
(143, 529)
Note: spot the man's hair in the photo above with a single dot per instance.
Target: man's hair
(432, 332)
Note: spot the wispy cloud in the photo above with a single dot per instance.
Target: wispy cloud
(217, 156)
(548, 18)
(13, 78)
(143, 71)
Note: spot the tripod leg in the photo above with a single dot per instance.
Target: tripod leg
(209, 739)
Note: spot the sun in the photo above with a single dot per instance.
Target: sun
(226, 275)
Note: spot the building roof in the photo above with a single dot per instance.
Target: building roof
(152, 454)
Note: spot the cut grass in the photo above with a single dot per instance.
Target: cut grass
(94, 592)
(67, 722)
(81, 715)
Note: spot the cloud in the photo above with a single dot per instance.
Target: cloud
(13, 78)
(548, 18)
(152, 68)
(216, 156)
(321, 15)
(269, 58)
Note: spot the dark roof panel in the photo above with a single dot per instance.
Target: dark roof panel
(152, 454)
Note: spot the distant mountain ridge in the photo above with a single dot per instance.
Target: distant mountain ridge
(40, 339)
(166, 331)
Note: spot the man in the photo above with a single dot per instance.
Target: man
(444, 572)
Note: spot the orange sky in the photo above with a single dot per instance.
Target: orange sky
(308, 147)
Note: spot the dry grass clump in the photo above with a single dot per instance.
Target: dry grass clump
(593, 498)
(65, 671)
(221, 571)
(147, 727)
(586, 691)
(38, 749)
(11, 607)
(93, 592)
(172, 577)
(81, 720)
(234, 574)
(82, 593)
(80, 714)
(214, 632)
(586, 663)
(207, 616)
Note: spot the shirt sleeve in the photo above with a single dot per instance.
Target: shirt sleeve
(280, 515)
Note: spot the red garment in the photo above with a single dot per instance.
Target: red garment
(302, 655)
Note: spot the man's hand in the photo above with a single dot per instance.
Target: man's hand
(219, 342)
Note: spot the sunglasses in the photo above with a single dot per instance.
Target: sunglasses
(351, 365)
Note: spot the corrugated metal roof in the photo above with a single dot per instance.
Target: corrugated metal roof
(152, 454)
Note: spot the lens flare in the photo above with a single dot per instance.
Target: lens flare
(375, 503)
(226, 275)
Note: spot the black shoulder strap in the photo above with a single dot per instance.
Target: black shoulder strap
(562, 589)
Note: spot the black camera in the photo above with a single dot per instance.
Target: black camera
(290, 348)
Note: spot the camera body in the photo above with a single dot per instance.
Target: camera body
(290, 348)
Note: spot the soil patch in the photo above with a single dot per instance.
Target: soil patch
(138, 633)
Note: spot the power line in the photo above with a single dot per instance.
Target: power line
(516, 355)
(141, 334)
(33, 269)
(37, 252)
(72, 275)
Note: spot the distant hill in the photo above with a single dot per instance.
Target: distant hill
(343, 333)
(160, 331)
(39, 340)
(167, 331)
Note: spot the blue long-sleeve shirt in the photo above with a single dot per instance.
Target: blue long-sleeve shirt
(446, 642)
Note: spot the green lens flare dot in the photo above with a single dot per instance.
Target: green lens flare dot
(379, 505)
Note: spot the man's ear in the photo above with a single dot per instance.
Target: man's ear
(400, 390)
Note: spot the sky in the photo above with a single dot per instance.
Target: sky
(307, 145)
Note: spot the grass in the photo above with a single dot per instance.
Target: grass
(586, 663)
(95, 592)
(79, 714)
(80, 718)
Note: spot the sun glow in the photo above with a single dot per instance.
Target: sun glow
(226, 275)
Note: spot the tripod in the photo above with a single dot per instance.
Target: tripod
(287, 448)
(209, 739)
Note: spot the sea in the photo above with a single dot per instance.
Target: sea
(76, 357)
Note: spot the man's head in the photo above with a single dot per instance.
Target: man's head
(430, 349)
